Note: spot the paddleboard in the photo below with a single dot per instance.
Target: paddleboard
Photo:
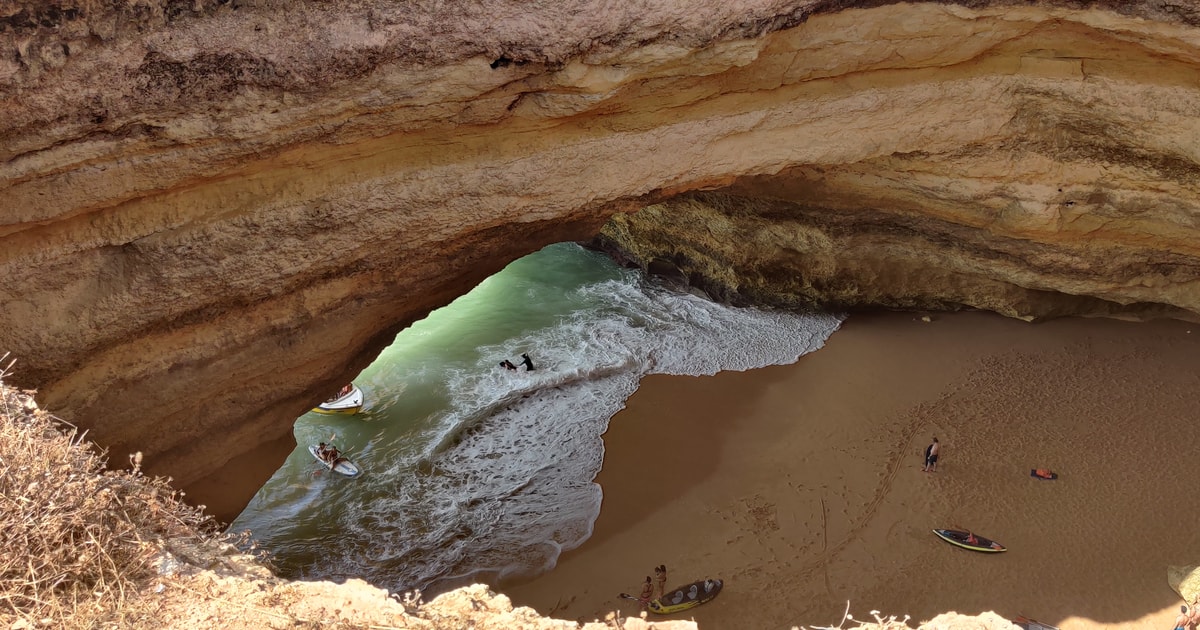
(959, 538)
(1031, 624)
(684, 597)
(1033, 473)
(342, 465)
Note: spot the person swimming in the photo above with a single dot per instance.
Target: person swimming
(508, 365)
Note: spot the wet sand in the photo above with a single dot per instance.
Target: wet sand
(802, 487)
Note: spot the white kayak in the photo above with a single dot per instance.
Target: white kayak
(349, 402)
(342, 465)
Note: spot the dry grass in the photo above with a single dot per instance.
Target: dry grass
(79, 542)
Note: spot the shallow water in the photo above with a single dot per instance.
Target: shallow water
(472, 471)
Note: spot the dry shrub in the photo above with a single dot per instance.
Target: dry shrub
(78, 541)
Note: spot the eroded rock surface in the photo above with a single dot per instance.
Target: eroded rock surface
(214, 213)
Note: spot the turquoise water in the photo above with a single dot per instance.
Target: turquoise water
(476, 473)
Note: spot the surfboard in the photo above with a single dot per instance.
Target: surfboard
(684, 597)
(341, 466)
(959, 538)
(1033, 473)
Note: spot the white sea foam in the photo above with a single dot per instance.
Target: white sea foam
(497, 481)
(512, 472)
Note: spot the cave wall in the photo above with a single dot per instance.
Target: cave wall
(784, 241)
(215, 212)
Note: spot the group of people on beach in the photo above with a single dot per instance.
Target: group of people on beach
(1189, 619)
(527, 362)
(655, 589)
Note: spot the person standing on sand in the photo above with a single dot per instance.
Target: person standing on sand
(931, 456)
(660, 579)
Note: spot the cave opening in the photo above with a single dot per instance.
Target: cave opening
(474, 472)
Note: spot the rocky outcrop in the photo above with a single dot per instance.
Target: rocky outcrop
(216, 212)
(752, 244)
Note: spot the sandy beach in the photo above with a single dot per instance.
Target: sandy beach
(801, 485)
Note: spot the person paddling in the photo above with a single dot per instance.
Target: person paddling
(328, 453)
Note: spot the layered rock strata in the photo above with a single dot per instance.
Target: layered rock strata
(786, 241)
(215, 213)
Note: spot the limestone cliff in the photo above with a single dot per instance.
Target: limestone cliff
(216, 212)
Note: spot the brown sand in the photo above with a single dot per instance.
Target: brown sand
(802, 487)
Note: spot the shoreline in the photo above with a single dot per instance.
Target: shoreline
(801, 485)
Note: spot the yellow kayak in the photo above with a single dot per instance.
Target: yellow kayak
(347, 401)
(683, 598)
(686, 597)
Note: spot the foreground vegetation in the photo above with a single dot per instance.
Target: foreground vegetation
(81, 541)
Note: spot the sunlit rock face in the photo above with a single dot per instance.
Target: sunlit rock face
(215, 213)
